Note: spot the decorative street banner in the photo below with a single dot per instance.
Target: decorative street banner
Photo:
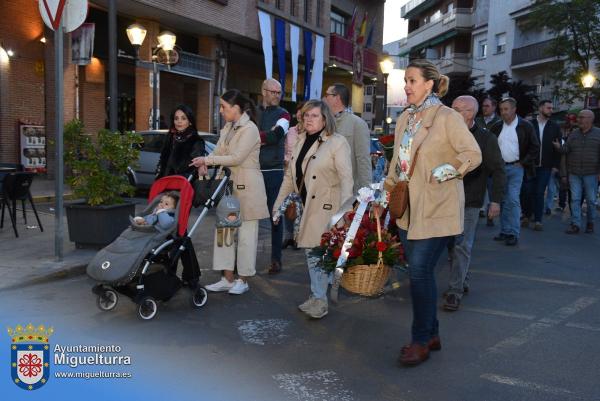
(280, 41)
(317, 71)
(264, 20)
(307, 62)
(82, 44)
(294, 47)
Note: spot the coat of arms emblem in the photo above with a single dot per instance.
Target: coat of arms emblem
(30, 355)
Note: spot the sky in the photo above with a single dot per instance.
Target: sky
(394, 27)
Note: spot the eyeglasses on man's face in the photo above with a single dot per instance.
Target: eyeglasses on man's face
(330, 94)
(273, 92)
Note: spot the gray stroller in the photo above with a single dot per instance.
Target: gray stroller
(142, 262)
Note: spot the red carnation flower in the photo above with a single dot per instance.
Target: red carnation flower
(387, 139)
(381, 246)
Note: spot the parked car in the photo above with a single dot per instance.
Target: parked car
(142, 176)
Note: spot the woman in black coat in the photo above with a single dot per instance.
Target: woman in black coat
(182, 145)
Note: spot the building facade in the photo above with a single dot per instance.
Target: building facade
(219, 47)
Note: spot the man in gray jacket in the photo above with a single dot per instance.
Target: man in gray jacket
(356, 132)
(582, 152)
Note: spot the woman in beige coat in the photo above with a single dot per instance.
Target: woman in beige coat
(238, 148)
(320, 170)
(436, 204)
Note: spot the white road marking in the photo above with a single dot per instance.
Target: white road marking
(536, 328)
(583, 326)
(512, 381)
(314, 386)
(261, 332)
(530, 278)
(499, 313)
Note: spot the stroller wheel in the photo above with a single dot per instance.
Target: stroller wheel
(148, 308)
(107, 300)
(199, 297)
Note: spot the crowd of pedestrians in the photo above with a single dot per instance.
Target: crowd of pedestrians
(499, 166)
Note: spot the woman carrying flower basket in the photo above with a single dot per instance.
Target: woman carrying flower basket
(436, 140)
(320, 175)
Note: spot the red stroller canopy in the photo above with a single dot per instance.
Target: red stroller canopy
(186, 194)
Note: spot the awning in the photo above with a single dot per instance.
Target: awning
(434, 41)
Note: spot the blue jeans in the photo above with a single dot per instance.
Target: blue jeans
(319, 279)
(510, 217)
(273, 180)
(579, 184)
(422, 256)
(551, 192)
(461, 253)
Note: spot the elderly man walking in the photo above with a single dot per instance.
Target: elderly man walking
(582, 152)
(356, 132)
(520, 149)
(475, 187)
(273, 124)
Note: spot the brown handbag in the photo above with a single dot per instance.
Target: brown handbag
(291, 212)
(398, 202)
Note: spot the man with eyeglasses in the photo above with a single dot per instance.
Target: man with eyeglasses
(582, 152)
(355, 130)
(273, 125)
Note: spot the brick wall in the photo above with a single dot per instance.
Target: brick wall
(21, 76)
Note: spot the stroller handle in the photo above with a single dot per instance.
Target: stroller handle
(215, 168)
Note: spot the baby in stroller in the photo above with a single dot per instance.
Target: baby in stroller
(163, 216)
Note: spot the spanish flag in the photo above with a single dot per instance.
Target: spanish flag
(362, 33)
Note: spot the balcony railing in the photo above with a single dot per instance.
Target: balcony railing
(531, 53)
(342, 50)
(411, 5)
(460, 18)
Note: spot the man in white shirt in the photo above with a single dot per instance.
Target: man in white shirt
(520, 150)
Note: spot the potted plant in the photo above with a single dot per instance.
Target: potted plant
(97, 175)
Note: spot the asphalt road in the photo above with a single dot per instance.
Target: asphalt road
(528, 330)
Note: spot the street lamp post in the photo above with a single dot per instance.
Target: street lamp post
(587, 81)
(386, 65)
(166, 41)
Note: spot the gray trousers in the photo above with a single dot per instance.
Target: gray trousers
(461, 253)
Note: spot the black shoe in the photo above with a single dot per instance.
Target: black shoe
(500, 237)
(511, 240)
(275, 268)
(548, 212)
(490, 222)
(288, 242)
(452, 303)
(466, 289)
(481, 214)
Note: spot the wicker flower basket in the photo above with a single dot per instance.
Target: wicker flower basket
(367, 280)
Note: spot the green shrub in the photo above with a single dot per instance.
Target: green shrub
(98, 166)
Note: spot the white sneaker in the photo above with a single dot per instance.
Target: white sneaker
(239, 287)
(220, 286)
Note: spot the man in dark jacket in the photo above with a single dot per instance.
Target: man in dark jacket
(520, 149)
(549, 158)
(582, 151)
(488, 117)
(475, 187)
(273, 125)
